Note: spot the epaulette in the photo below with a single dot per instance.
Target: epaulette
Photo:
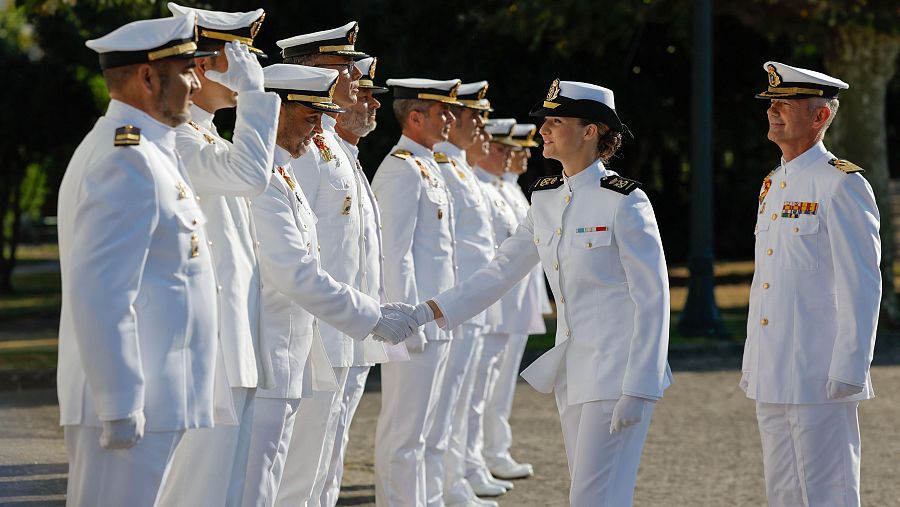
(402, 154)
(441, 158)
(546, 183)
(128, 135)
(846, 166)
(619, 184)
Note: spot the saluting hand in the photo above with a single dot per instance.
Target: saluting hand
(244, 72)
(123, 433)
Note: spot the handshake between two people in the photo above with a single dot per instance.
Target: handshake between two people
(400, 321)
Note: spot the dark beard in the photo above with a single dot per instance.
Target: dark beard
(171, 117)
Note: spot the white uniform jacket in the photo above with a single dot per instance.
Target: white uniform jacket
(473, 238)
(328, 178)
(506, 316)
(816, 287)
(369, 351)
(138, 323)
(295, 289)
(600, 247)
(225, 175)
(537, 301)
(417, 234)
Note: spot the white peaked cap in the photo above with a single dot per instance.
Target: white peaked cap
(145, 34)
(787, 82)
(218, 20)
(148, 40)
(312, 86)
(500, 126)
(426, 89)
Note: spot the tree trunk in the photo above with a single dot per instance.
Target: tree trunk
(866, 59)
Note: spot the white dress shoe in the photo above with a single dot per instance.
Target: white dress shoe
(484, 487)
(500, 482)
(512, 470)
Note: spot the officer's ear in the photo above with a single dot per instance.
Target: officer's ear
(146, 74)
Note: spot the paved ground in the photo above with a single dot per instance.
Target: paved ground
(702, 451)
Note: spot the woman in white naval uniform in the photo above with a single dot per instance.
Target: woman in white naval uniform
(596, 236)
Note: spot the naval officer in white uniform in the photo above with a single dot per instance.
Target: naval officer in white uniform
(295, 290)
(814, 300)
(357, 122)
(596, 236)
(137, 338)
(209, 466)
(532, 306)
(473, 249)
(417, 216)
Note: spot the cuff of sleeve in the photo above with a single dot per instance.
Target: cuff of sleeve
(644, 396)
(851, 382)
(442, 322)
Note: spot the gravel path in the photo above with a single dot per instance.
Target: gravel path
(702, 451)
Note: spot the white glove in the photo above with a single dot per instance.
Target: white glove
(745, 381)
(423, 314)
(244, 72)
(394, 326)
(416, 342)
(629, 410)
(123, 433)
(837, 389)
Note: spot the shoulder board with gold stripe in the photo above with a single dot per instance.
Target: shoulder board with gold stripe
(619, 184)
(441, 158)
(546, 183)
(402, 154)
(127, 135)
(846, 166)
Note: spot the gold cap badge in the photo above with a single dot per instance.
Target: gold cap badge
(774, 78)
(554, 90)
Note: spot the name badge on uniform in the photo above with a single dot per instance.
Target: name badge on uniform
(793, 209)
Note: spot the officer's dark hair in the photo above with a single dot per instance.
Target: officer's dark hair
(118, 77)
(608, 141)
(402, 108)
(308, 60)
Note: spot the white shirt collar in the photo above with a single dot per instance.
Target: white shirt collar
(451, 150)
(282, 156)
(328, 123)
(151, 129)
(414, 147)
(591, 174)
(806, 158)
(202, 117)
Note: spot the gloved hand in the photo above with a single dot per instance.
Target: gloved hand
(629, 410)
(423, 313)
(394, 326)
(745, 381)
(244, 72)
(837, 389)
(416, 342)
(123, 433)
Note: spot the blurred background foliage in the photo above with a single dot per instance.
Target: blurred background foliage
(639, 48)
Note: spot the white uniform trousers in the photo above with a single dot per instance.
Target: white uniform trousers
(101, 477)
(485, 379)
(456, 489)
(438, 437)
(306, 463)
(409, 392)
(810, 454)
(210, 463)
(352, 392)
(497, 431)
(273, 426)
(602, 467)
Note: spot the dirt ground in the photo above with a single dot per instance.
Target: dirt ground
(702, 451)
